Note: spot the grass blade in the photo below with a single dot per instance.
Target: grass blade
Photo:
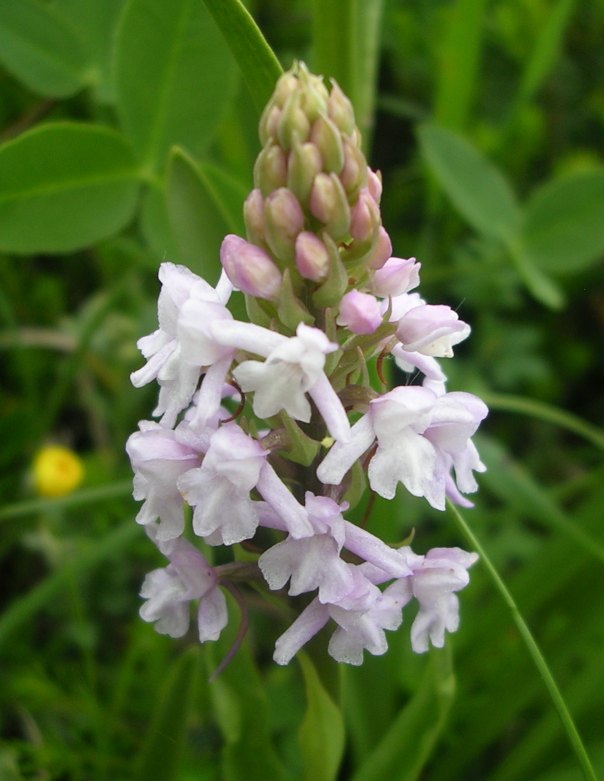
(532, 647)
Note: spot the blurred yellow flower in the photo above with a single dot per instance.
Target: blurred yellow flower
(57, 471)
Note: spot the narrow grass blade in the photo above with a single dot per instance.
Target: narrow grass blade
(547, 413)
(532, 647)
(258, 63)
(80, 498)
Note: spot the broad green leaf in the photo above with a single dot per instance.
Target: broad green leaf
(460, 53)
(564, 225)
(159, 759)
(40, 48)
(64, 186)
(204, 204)
(407, 745)
(322, 732)
(95, 23)
(174, 77)
(477, 189)
(155, 225)
(257, 62)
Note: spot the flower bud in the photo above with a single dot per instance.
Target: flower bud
(253, 214)
(267, 130)
(250, 268)
(270, 170)
(382, 250)
(397, 276)
(314, 94)
(328, 203)
(354, 172)
(365, 217)
(283, 220)
(360, 312)
(340, 109)
(293, 124)
(329, 143)
(374, 184)
(312, 257)
(303, 164)
(286, 85)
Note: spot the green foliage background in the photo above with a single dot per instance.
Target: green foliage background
(128, 132)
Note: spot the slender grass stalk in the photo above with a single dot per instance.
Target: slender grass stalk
(535, 652)
(80, 498)
(548, 413)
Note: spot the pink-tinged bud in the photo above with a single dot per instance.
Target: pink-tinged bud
(328, 140)
(293, 125)
(397, 276)
(270, 169)
(314, 94)
(354, 173)
(328, 203)
(250, 268)
(360, 312)
(286, 85)
(365, 217)
(340, 109)
(253, 214)
(382, 250)
(303, 164)
(268, 123)
(283, 221)
(374, 184)
(312, 257)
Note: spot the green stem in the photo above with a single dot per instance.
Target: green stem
(532, 647)
(88, 496)
(548, 413)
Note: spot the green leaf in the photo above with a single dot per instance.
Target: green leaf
(546, 50)
(460, 61)
(258, 63)
(204, 204)
(322, 732)
(537, 283)
(159, 759)
(40, 48)
(476, 188)
(346, 47)
(155, 225)
(64, 186)
(564, 225)
(408, 744)
(96, 23)
(174, 77)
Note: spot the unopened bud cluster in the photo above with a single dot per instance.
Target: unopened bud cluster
(255, 423)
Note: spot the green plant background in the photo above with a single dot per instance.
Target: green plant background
(128, 135)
